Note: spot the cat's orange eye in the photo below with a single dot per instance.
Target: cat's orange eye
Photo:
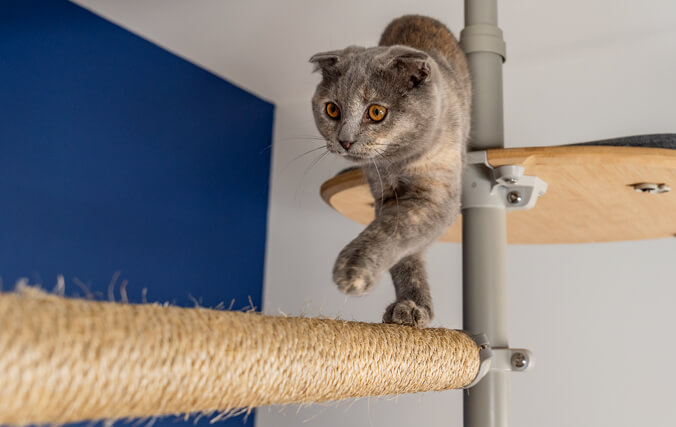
(377, 112)
(332, 110)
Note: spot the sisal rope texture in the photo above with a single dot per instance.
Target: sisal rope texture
(65, 360)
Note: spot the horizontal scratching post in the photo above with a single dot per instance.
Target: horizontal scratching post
(65, 360)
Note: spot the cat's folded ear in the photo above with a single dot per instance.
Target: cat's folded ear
(412, 66)
(324, 60)
(327, 62)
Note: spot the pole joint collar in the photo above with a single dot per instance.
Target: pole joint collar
(483, 38)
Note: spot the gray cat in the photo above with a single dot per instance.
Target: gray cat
(402, 112)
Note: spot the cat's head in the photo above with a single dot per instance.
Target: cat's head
(375, 103)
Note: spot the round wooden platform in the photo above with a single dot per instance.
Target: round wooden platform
(590, 196)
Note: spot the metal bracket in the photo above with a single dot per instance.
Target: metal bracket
(512, 359)
(500, 359)
(485, 357)
(504, 186)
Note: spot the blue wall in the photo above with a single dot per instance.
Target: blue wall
(117, 155)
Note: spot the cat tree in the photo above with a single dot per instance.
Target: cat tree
(596, 192)
(65, 360)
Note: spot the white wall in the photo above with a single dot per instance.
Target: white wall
(598, 316)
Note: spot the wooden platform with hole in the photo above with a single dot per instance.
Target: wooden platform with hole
(591, 195)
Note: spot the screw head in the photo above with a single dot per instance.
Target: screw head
(511, 180)
(645, 187)
(514, 197)
(651, 188)
(520, 361)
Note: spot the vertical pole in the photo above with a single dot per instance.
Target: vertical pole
(482, 41)
(484, 228)
(485, 309)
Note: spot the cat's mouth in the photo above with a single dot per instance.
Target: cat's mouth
(357, 153)
(356, 157)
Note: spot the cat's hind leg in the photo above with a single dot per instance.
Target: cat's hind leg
(413, 306)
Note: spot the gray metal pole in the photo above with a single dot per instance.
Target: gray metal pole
(485, 309)
(487, 120)
(482, 40)
(484, 228)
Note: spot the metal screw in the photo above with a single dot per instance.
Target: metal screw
(511, 180)
(651, 188)
(520, 361)
(514, 197)
(645, 187)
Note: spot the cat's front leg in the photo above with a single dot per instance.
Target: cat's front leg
(413, 305)
(403, 227)
(360, 264)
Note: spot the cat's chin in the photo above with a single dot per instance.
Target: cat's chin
(357, 158)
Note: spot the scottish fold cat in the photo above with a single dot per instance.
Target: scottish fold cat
(401, 111)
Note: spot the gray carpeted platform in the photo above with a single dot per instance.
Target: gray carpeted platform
(660, 140)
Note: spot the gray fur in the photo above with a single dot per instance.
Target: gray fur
(413, 159)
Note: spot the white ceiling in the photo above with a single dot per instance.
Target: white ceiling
(576, 70)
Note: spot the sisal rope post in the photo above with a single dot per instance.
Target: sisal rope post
(66, 360)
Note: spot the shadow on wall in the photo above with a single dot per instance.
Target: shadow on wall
(117, 155)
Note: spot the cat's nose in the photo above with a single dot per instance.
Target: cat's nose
(346, 144)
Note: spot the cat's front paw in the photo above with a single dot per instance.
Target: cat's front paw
(407, 312)
(352, 273)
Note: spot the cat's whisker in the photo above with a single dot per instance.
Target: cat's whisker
(300, 182)
(300, 139)
(391, 144)
(394, 190)
(396, 224)
(303, 138)
(313, 164)
(382, 155)
(265, 149)
(382, 189)
(323, 147)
